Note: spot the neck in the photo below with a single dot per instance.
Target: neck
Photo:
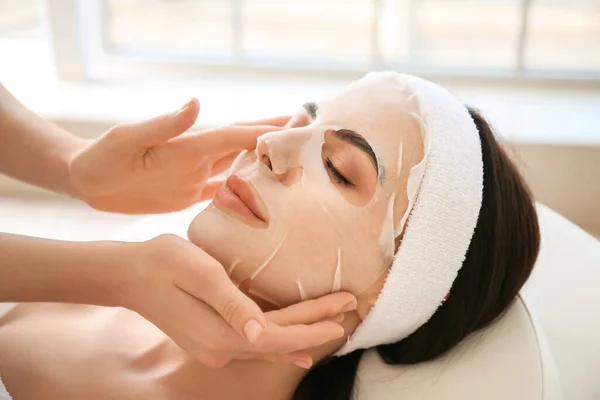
(257, 379)
(240, 379)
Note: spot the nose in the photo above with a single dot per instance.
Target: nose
(262, 153)
(280, 152)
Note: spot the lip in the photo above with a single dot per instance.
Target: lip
(239, 199)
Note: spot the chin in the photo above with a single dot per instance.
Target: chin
(192, 237)
(198, 231)
(213, 235)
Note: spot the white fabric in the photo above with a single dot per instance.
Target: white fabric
(3, 392)
(440, 227)
(563, 295)
(507, 360)
(4, 309)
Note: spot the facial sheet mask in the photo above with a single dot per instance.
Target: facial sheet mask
(317, 240)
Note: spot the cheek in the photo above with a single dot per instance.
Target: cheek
(301, 259)
(340, 251)
(317, 244)
(369, 249)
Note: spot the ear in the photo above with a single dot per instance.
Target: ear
(367, 299)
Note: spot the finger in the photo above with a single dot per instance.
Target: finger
(157, 130)
(226, 139)
(338, 319)
(300, 358)
(280, 120)
(132, 205)
(223, 163)
(205, 336)
(296, 357)
(310, 311)
(207, 280)
(209, 190)
(287, 339)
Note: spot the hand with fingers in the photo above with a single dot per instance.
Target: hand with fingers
(188, 295)
(156, 166)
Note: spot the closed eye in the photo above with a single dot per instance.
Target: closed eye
(337, 175)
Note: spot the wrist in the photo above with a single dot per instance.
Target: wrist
(67, 153)
(117, 272)
(95, 273)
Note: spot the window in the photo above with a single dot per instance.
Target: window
(564, 35)
(19, 18)
(525, 38)
(192, 27)
(317, 32)
(467, 34)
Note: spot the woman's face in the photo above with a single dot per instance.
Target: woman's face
(316, 207)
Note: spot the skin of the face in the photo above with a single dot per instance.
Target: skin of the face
(325, 205)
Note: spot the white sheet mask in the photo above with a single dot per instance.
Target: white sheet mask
(301, 290)
(387, 236)
(337, 277)
(399, 168)
(416, 173)
(323, 236)
(267, 262)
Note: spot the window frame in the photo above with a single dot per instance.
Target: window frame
(80, 52)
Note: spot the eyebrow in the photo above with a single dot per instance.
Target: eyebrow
(353, 138)
(311, 108)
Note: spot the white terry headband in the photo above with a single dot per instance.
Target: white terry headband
(440, 226)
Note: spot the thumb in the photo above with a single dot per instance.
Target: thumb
(315, 310)
(210, 283)
(237, 309)
(157, 130)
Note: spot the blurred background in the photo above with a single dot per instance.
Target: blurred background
(532, 67)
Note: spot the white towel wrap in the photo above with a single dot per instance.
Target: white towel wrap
(440, 226)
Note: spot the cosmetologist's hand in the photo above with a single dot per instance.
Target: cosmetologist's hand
(155, 166)
(188, 295)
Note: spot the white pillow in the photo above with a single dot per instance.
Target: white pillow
(507, 360)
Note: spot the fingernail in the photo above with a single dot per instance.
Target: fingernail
(349, 307)
(252, 330)
(304, 364)
(185, 106)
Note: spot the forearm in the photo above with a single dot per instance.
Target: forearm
(34, 150)
(44, 270)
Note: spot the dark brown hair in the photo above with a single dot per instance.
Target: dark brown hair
(499, 260)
